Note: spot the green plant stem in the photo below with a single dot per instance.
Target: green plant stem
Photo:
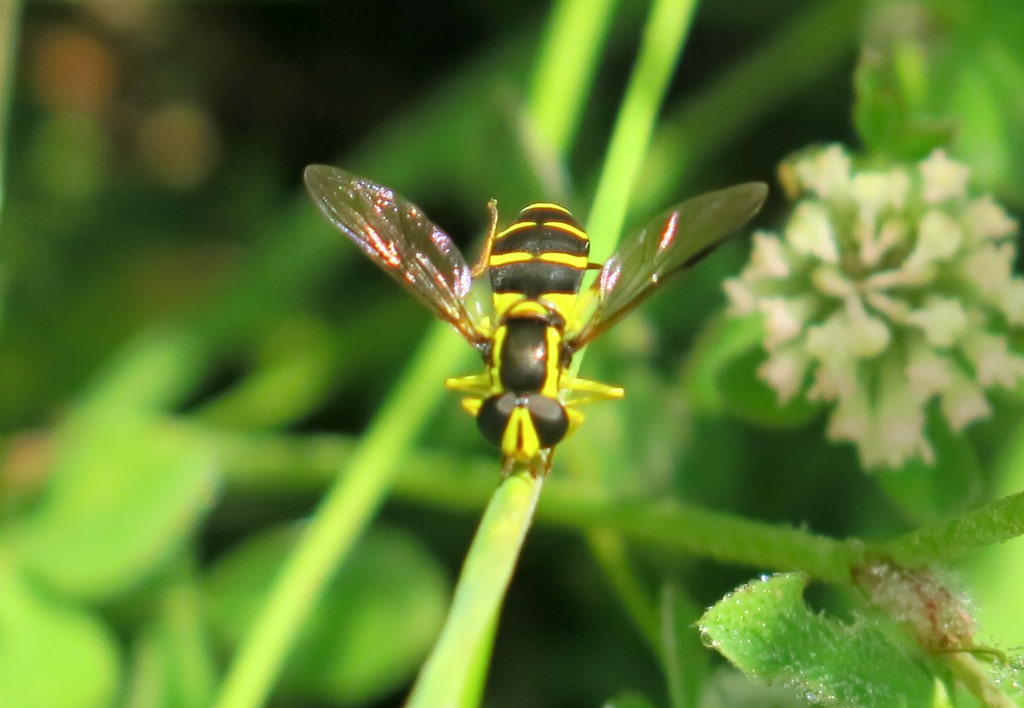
(664, 36)
(568, 61)
(978, 680)
(344, 512)
(969, 531)
(342, 515)
(701, 532)
(756, 86)
(996, 591)
(10, 12)
(271, 463)
(684, 656)
(455, 672)
(611, 553)
(183, 625)
(275, 463)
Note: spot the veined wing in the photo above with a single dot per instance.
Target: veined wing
(674, 241)
(396, 236)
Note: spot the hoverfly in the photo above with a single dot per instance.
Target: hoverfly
(538, 316)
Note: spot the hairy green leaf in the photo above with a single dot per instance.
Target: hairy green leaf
(767, 631)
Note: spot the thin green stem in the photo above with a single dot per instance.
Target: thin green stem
(344, 512)
(702, 532)
(461, 485)
(996, 592)
(185, 631)
(10, 11)
(978, 680)
(568, 59)
(684, 657)
(455, 671)
(611, 553)
(757, 85)
(977, 528)
(664, 36)
(566, 67)
(454, 674)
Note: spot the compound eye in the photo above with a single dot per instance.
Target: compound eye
(492, 418)
(549, 419)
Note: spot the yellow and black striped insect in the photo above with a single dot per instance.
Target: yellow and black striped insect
(539, 314)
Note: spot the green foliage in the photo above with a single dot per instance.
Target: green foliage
(945, 73)
(52, 654)
(370, 628)
(229, 474)
(172, 662)
(767, 631)
(125, 495)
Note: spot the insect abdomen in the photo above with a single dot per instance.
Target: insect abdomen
(543, 253)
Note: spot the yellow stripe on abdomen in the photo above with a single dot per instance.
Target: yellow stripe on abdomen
(567, 259)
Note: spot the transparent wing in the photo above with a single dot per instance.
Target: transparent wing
(674, 241)
(396, 236)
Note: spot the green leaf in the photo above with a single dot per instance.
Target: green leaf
(125, 493)
(768, 632)
(370, 629)
(52, 654)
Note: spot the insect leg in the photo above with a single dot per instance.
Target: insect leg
(541, 464)
(579, 391)
(474, 384)
(508, 464)
(575, 418)
(485, 254)
(472, 405)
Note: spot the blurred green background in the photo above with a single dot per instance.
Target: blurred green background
(187, 351)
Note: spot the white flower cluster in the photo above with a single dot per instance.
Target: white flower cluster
(889, 289)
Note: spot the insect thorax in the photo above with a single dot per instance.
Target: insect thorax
(526, 356)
